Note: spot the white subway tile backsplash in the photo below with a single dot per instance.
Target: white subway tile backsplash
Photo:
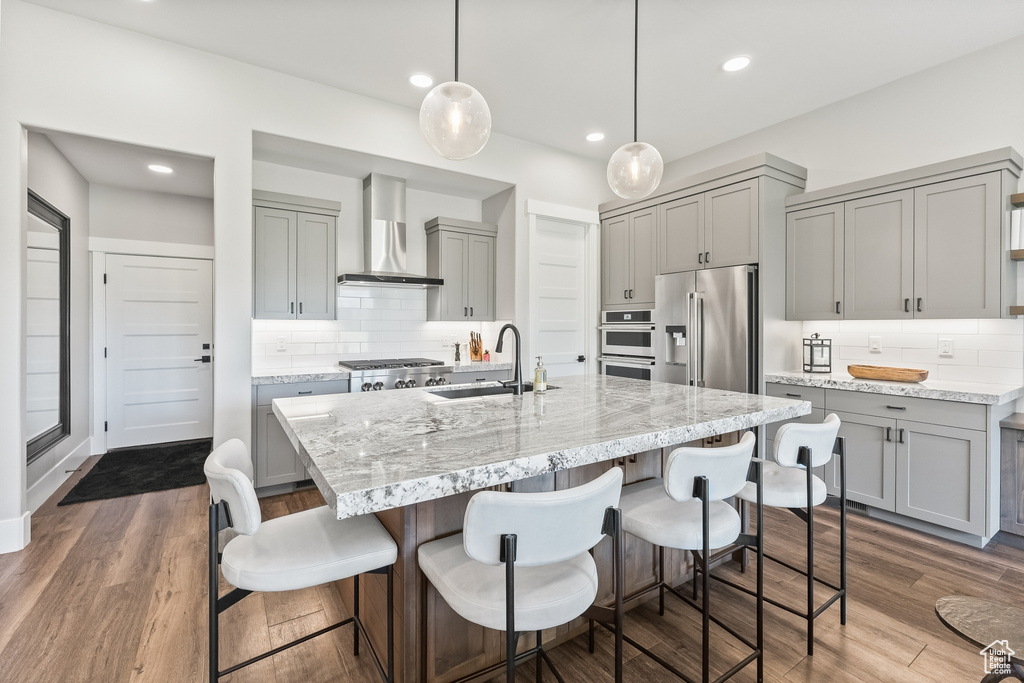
(323, 348)
(381, 347)
(349, 349)
(863, 355)
(965, 357)
(381, 325)
(349, 302)
(1001, 326)
(300, 349)
(315, 336)
(867, 326)
(961, 373)
(358, 314)
(271, 362)
(911, 341)
(380, 303)
(268, 337)
(995, 342)
(941, 326)
(999, 359)
(315, 361)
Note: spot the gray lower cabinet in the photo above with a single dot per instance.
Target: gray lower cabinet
(275, 460)
(462, 253)
(295, 256)
(1011, 467)
(921, 458)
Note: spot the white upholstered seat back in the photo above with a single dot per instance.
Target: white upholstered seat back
(229, 473)
(725, 467)
(550, 527)
(820, 438)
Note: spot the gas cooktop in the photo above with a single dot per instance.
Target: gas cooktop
(388, 363)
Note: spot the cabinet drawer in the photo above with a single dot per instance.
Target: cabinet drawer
(816, 395)
(966, 415)
(483, 376)
(265, 393)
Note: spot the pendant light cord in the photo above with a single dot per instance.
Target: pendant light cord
(456, 40)
(636, 40)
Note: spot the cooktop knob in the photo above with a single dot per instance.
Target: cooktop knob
(411, 383)
(442, 380)
(400, 384)
(367, 386)
(431, 382)
(377, 386)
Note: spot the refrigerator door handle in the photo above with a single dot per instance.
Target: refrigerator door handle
(691, 354)
(698, 344)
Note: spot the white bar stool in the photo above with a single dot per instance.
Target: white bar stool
(686, 510)
(296, 551)
(522, 563)
(790, 483)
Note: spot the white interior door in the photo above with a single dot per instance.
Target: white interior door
(159, 316)
(559, 302)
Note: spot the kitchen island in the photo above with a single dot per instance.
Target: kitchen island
(414, 458)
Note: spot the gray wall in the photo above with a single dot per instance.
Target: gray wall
(120, 213)
(54, 178)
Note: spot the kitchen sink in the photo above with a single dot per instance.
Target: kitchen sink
(488, 389)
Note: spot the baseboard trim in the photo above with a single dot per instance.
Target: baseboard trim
(39, 492)
(15, 533)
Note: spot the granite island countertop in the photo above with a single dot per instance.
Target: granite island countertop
(373, 452)
(943, 390)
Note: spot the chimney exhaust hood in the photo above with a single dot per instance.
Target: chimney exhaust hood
(384, 253)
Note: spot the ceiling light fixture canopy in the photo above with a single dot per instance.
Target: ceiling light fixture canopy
(635, 169)
(454, 117)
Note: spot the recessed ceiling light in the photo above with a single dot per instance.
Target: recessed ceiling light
(736, 63)
(421, 80)
(596, 136)
(160, 168)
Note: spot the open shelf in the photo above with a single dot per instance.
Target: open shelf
(1017, 200)
(1016, 310)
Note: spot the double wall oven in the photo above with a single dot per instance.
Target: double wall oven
(627, 343)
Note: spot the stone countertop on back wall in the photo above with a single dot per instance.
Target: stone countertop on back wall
(943, 390)
(328, 373)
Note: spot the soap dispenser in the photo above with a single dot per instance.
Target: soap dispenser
(540, 377)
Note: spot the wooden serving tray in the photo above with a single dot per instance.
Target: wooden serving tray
(890, 374)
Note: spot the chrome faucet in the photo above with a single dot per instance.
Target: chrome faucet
(517, 379)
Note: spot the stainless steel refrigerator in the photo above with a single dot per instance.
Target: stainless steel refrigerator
(706, 328)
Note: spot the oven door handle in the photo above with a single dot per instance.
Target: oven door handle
(627, 328)
(643, 362)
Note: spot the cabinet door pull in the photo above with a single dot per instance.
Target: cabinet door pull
(919, 309)
(625, 294)
(896, 407)
(291, 307)
(707, 257)
(470, 311)
(888, 434)
(700, 257)
(465, 311)
(631, 294)
(899, 435)
(906, 305)
(300, 308)
(793, 395)
(303, 393)
(837, 308)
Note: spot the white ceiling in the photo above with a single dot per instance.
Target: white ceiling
(554, 71)
(119, 164)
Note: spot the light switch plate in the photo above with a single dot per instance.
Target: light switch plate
(946, 348)
(875, 343)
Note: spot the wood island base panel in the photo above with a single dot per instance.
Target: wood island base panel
(416, 459)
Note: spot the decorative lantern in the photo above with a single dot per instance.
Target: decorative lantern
(817, 354)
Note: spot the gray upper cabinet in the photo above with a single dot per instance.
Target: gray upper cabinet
(462, 253)
(731, 226)
(628, 264)
(709, 230)
(295, 252)
(958, 248)
(879, 257)
(681, 235)
(926, 243)
(814, 263)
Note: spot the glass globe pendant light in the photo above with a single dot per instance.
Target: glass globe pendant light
(635, 169)
(454, 117)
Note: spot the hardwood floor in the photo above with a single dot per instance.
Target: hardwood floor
(113, 591)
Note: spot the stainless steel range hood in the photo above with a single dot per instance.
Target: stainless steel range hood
(384, 254)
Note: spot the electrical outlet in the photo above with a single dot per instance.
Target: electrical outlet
(946, 348)
(282, 343)
(875, 343)
(446, 341)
